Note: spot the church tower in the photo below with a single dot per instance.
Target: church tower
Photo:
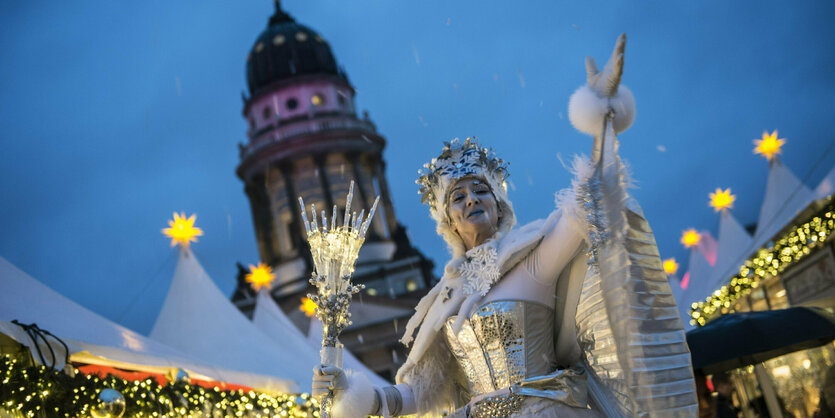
(305, 139)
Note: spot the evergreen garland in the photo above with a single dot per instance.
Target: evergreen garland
(38, 391)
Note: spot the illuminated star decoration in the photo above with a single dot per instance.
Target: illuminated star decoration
(260, 276)
(181, 230)
(690, 238)
(769, 145)
(308, 306)
(722, 199)
(670, 266)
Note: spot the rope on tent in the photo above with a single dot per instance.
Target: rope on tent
(35, 332)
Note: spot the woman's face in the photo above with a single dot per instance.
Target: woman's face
(473, 211)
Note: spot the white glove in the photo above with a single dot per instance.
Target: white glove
(328, 378)
(354, 395)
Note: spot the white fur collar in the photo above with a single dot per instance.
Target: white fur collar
(448, 296)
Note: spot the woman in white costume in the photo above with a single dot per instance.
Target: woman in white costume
(567, 316)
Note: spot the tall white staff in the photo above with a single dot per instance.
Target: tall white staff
(334, 251)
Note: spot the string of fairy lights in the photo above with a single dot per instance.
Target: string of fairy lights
(34, 391)
(770, 260)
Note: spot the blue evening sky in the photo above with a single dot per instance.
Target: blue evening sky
(114, 114)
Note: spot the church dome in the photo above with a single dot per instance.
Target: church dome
(287, 49)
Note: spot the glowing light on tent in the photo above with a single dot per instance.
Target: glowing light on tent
(670, 266)
(769, 145)
(181, 230)
(260, 276)
(690, 238)
(308, 306)
(722, 199)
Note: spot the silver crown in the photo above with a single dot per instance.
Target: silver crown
(457, 160)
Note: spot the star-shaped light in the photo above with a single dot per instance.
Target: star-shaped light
(769, 145)
(690, 238)
(722, 199)
(181, 230)
(260, 276)
(670, 266)
(308, 306)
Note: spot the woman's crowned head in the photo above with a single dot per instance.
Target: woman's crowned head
(466, 168)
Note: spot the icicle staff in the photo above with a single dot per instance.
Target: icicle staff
(335, 250)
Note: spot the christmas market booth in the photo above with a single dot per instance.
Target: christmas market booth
(58, 358)
(791, 265)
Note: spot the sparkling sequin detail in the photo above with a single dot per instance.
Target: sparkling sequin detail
(589, 196)
(497, 406)
(490, 347)
(467, 350)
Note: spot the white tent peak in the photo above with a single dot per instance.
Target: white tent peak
(733, 247)
(700, 272)
(785, 195)
(198, 319)
(827, 186)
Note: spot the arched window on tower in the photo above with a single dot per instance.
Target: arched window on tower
(280, 211)
(340, 172)
(380, 221)
(308, 185)
(261, 218)
(371, 186)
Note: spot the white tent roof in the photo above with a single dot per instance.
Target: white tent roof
(699, 265)
(785, 195)
(93, 339)
(734, 246)
(199, 320)
(700, 272)
(24, 298)
(827, 186)
(270, 319)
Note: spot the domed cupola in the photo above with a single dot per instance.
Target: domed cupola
(287, 49)
(305, 139)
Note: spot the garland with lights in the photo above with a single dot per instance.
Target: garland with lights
(768, 262)
(37, 391)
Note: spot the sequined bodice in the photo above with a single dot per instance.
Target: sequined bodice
(503, 342)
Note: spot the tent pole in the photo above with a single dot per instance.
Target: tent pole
(769, 393)
(742, 395)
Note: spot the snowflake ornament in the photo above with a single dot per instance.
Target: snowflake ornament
(480, 270)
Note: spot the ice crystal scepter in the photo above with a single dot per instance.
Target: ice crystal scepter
(334, 250)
